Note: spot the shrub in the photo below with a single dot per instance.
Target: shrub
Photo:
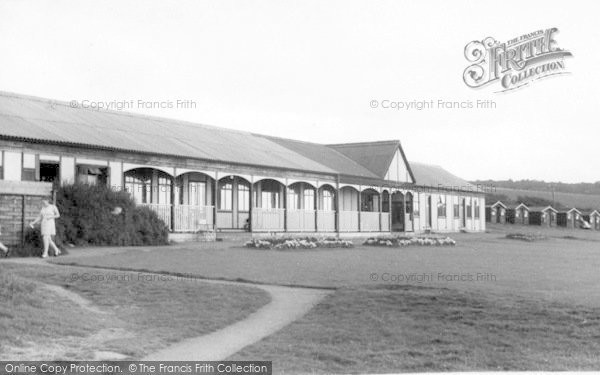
(33, 245)
(87, 218)
(528, 237)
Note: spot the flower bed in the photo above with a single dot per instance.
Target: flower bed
(528, 237)
(400, 241)
(284, 243)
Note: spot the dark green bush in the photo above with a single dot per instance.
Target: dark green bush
(33, 245)
(87, 218)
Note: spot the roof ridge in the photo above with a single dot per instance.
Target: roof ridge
(389, 141)
(319, 144)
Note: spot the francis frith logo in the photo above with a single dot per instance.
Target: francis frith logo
(515, 63)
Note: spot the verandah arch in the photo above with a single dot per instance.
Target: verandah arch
(152, 188)
(268, 209)
(233, 203)
(301, 207)
(194, 202)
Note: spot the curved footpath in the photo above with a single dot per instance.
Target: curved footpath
(287, 305)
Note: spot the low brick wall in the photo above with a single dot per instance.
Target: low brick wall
(20, 203)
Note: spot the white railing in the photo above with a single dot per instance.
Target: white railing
(385, 221)
(193, 218)
(369, 221)
(301, 220)
(163, 211)
(268, 219)
(326, 221)
(348, 221)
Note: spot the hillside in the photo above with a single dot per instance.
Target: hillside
(562, 199)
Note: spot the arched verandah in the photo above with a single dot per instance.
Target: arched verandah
(370, 207)
(268, 209)
(152, 188)
(233, 203)
(327, 207)
(301, 204)
(194, 202)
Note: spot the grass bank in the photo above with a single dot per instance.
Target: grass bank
(393, 328)
(130, 313)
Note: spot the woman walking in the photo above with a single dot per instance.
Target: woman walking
(47, 215)
(2, 247)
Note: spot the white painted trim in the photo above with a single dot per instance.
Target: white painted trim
(180, 171)
(91, 161)
(291, 181)
(46, 157)
(260, 178)
(168, 170)
(356, 187)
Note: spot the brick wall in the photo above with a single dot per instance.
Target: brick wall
(16, 212)
(20, 203)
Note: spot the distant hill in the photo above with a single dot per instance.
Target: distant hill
(536, 185)
(585, 196)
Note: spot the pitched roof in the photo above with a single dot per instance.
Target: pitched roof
(437, 177)
(49, 121)
(324, 155)
(496, 204)
(40, 120)
(522, 205)
(375, 156)
(542, 208)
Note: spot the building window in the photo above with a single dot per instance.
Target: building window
(270, 199)
(469, 211)
(164, 190)
(476, 208)
(416, 205)
(226, 196)
(456, 207)
(293, 198)
(140, 188)
(243, 197)
(309, 199)
(29, 173)
(441, 206)
(86, 174)
(327, 200)
(197, 193)
(1, 165)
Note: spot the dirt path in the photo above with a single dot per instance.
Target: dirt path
(287, 305)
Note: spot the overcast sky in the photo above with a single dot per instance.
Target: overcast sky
(310, 69)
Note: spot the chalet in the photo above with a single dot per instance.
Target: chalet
(496, 213)
(519, 214)
(200, 178)
(593, 218)
(544, 216)
(569, 218)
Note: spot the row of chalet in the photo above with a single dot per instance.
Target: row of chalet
(543, 215)
(204, 178)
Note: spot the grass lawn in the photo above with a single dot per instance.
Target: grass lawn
(539, 311)
(131, 314)
(392, 328)
(555, 269)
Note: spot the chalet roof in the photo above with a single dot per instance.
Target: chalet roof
(542, 208)
(375, 156)
(522, 205)
(570, 210)
(498, 203)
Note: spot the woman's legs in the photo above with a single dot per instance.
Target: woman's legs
(54, 247)
(3, 248)
(46, 239)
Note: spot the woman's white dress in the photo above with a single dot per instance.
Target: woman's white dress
(47, 215)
